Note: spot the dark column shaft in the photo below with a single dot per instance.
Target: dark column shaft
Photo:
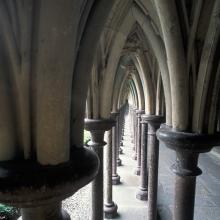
(154, 122)
(109, 169)
(138, 143)
(142, 193)
(135, 135)
(117, 140)
(185, 186)
(110, 208)
(115, 176)
(97, 188)
(97, 127)
(153, 150)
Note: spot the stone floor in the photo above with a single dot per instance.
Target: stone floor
(207, 193)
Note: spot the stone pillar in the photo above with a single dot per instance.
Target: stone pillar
(115, 176)
(97, 128)
(123, 111)
(110, 208)
(120, 129)
(188, 146)
(154, 122)
(135, 135)
(138, 143)
(131, 123)
(117, 147)
(142, 193)
(39, 190)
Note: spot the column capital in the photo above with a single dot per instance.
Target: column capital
(139, 112)
(187, 146)
(27, 184)
(179, 140)
(97, 127)
(114, 114)
(154, 120)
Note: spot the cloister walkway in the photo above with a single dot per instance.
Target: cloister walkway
(129, 208)
(124, 194)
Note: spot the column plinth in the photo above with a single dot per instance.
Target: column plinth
(38, 190)
(97, 128)
(142, 193)
(110, 210)
(188, 146)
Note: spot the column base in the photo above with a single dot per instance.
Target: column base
(118, 162)
(110, 210)
(142, 194)
(120, 151)
(137, 171)
(134, 156)
(115, 180)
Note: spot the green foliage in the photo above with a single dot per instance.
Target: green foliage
(87, 137)
(8, 212)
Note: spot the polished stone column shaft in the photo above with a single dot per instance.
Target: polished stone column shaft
(135, 135)
(120, 130)
(131, 124)
(188, 146)
(97, 128)
(117, 147)
(110, 208)
(134, 126)
(142, 193)
(138, 143)
(154, 122)
(115, 176)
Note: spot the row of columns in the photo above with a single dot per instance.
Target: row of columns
(187, 146)
(97, 128)
(146, 148)
(146, 152)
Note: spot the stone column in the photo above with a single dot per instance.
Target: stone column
(115, 176)
(39, 190)
(97, 128)
(138, 143)
(188, 146)
(117, 147)
(110, 208)
(131, 124)
(135, 135)
(142, 193)
(154, 122)
(120, 128)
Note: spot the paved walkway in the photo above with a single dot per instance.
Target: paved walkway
(124, 194)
